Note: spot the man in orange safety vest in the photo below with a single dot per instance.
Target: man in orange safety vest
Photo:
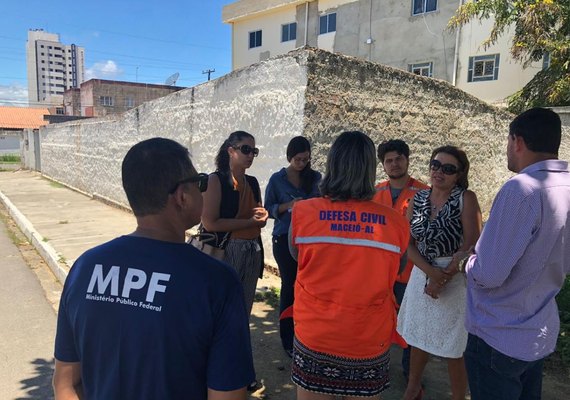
(397, 192)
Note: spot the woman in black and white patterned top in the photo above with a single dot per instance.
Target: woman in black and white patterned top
(443, 220)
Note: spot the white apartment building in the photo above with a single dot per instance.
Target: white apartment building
(407, 34)
(52, 68)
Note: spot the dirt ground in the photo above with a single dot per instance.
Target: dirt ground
(272, 363)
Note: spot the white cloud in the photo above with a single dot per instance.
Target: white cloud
(103, 70)
(13, 95)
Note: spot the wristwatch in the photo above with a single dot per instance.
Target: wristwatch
(461, 264)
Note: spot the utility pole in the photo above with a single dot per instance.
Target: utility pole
(209, 72)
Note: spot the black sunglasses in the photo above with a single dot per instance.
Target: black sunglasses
(202, 180)
(447, 169)
(246, 149)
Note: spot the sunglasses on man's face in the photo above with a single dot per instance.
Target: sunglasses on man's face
(447, 169)
(202, 180)
(246, 149)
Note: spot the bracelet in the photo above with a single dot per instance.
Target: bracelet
(461, 264)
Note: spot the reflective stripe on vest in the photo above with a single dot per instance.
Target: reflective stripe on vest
(347, 241)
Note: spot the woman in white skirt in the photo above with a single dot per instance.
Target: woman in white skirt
(443, 220)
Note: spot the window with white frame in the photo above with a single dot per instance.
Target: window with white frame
(483, 68)
(105, 100)
(423, 6)
(289, 32)
(129, 102)
(255, 39)
(327, 23)
(422, 69)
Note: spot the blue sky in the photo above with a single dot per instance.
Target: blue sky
(125, 40)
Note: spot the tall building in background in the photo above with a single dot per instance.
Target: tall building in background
(52, 69)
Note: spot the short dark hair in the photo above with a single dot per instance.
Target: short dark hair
(397, 145)
(351, 168)
(540, 128)
(150, 170)
(461, 156)
(223, 158)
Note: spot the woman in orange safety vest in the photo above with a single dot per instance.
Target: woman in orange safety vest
(349, 253)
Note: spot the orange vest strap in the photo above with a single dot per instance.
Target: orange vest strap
(348, 242)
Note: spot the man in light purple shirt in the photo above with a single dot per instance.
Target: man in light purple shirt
(519, 265)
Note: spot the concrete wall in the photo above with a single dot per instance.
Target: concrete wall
(398, 38)
(564, 113)
(30, 149)
(310, 92)
(266, 99)
(346, 93)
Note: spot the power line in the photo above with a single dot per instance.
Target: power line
(149, 38)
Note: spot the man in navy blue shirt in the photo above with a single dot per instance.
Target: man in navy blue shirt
(146, 316)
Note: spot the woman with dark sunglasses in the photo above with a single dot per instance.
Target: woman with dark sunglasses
(297, 181)
(233, 212)
(443, 220)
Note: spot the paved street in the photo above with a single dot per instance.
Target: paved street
(27, 328)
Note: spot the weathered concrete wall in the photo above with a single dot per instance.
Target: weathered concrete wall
(346, 93)
(564, 113)
(266, 100)
(310, 92)
(30, 159)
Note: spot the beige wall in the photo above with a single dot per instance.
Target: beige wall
(398, 39)
(512, 77)
(326, 41)
(247, 16)
(247, 8)
(270, 25)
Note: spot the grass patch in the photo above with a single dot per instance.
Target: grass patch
(270, 296)
(14, 238)
(45, 239)
(62, 259)
(63, 222)
(9, 158)
(56, 185)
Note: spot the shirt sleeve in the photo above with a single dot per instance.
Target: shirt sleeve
(511, 225)
(64, 339)
(272, 199)
(230, 363)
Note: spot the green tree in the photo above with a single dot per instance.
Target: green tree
(541, 27)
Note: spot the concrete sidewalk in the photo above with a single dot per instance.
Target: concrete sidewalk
(58, 221)
(27, 328)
